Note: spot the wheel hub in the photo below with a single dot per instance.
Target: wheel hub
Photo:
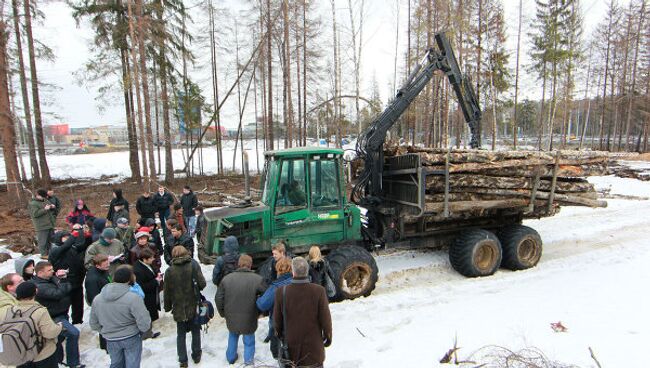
(485, 256)
(356, 278)
(527, 251)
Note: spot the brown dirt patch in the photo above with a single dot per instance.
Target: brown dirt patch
(16, 226)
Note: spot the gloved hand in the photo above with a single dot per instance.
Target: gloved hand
(327, 342)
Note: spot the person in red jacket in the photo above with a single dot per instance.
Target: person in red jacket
(79, 214)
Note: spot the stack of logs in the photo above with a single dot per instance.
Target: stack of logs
(481, 180)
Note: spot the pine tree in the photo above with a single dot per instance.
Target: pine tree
(7, 130)
(38, 119)
(35, 171)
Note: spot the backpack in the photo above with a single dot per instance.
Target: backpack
(204, 309)
(20, 339)
(229, 265)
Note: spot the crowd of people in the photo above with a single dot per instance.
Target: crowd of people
(116, 268)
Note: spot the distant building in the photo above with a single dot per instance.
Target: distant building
(118, 134)
(104, 134)
(56, 132)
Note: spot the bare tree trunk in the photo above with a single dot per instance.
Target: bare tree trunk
(134, 160)
(553, 102)
(14, 186)
(408, 115)
(298, 59)
(588, 100)
(257, 148)
(494, 109)
(154, 77)
(36, 173)
(262, 68)
(356, 58)
(613, 104)
(269, 56)
(144, 79)
(540, 121)
(304, 71)
(136, 83)
(602, 114)
(336, 75)
(215, 88)
(567, 106)
(38, 120)
(239, 134)
(394, 90)
(164, 97)
(21, 132)
(339, 127)
(514, 122)
(479, 37)
(634, 66)
(646, 126)
(288, 118)
(428, 115)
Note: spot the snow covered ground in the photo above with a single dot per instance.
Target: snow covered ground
(593, 277)
(95, 165)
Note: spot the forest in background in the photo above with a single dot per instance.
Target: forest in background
(294, 68)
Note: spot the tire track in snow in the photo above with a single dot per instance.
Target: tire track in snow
(624, 223)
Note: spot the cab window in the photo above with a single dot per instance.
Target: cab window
(291, 194)
(324, 183)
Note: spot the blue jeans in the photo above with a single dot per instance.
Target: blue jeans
(125, 353)
(249, 348)
(190, 223)
(71, 335)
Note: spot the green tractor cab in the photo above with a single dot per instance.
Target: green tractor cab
(304, 203)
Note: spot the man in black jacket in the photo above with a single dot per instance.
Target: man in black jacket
(189, 201)
(179, 238)
(54, 295)
(160, 236)
(146, 206)
(96, 279)
(68, 255)
(54, 200)
(119, 207)
(163, 200)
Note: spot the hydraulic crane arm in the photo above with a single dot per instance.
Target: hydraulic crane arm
(370, 144)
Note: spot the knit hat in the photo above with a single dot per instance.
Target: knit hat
(109, 233)
(42, 193)
(26, 290)
(150, 222)
(122, 221)
(140, 234)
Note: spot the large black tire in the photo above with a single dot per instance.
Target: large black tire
(522, 247)
(475, 253)
(354, 272)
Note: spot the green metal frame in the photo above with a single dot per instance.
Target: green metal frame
(259, 227)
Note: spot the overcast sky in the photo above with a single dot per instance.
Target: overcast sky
(76, 105)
